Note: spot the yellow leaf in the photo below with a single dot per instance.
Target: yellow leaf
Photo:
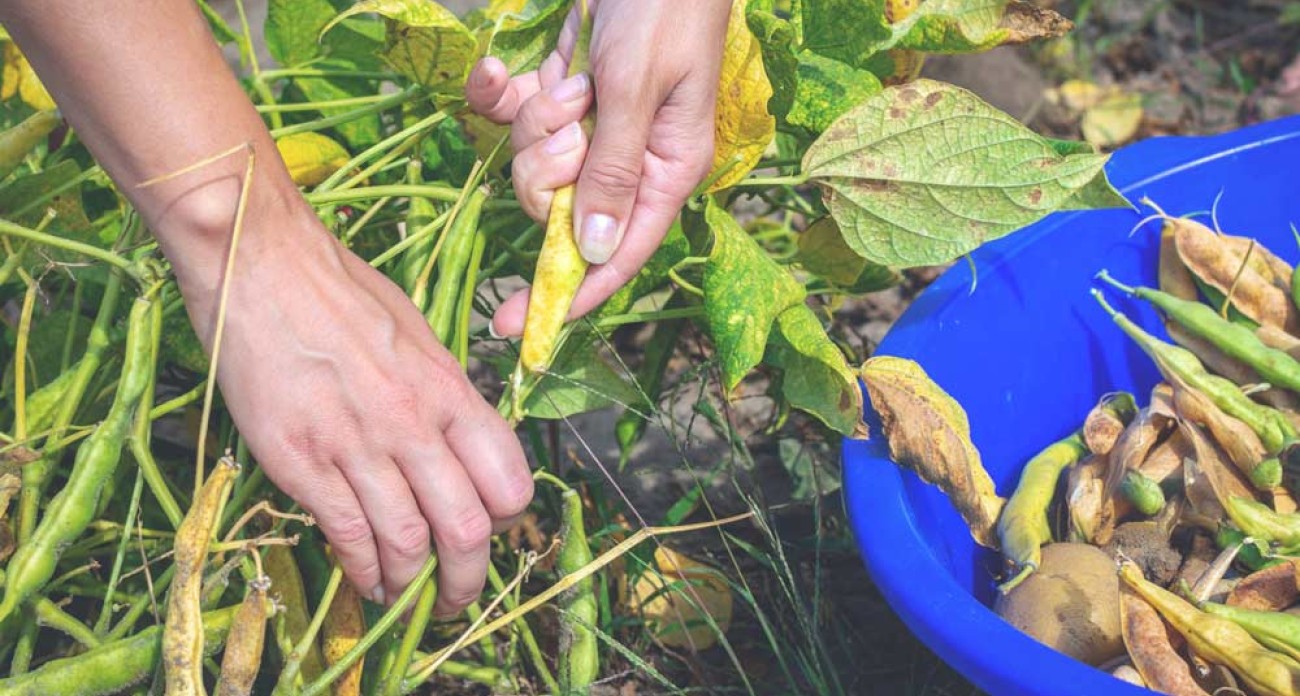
(425, 41)
(501, 8)
(667, 601)
(742, 127)
(1113, 120)
(1078, 95)
(311, 157)
(20, 79)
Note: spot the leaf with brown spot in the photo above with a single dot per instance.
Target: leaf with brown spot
(1024, 22)
(929, 433)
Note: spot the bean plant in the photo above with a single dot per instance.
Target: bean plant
(836, 168)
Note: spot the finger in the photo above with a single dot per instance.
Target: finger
(496, 96)
(461, 526)
(401, 530)
(494, 461)
(330, 500)
(547, 165)
(549, 110)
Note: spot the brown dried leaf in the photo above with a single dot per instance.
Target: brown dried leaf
(1224, 480)
(1151, 647)
(928, 432)
(1166, 459)
(1272, 589)
(1025, 22)
(1106, 421)
(1137, 441)
(1218, 265)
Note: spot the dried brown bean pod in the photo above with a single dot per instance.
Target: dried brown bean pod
(1278, 339)
(1166, 458)
(1107, 420)
(243, 656)
(1271, 589)
(183, 632)
(1219, 266)
(1265, 262)
(343, 628)
(1084, 499)
(1153, 647)
(1173, 275)
(1242, 446)
(1223, 478)
(1134, 444)
(1283, 502)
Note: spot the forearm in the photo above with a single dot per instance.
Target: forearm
(146, 88)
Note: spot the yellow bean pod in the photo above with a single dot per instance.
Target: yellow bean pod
(344, 625)
(243, 657)
(183, 633)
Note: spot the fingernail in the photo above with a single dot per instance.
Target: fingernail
(564, 140)
(599, 238)
(492, 331)
(377, 594)
(570, 89)
(481, 77)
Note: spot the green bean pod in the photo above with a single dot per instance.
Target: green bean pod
(1175, 362)
(1275, 630)
(1252, 554)
(18, 141)
(1145, 494)
(1236, 341)
(658, 352)
(1022, 526)
(579, 649)
(113, 667)
(73, 509)
(420, 213)
(1262, 523)
(453, 265)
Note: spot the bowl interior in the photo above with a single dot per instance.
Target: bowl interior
(1029, 352)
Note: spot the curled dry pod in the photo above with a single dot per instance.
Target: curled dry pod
(1084, 499)
(1153, 648)
(1241, 445)
(1219, 640)
(183, 632)
(243, 656)
(929, 433)
(1219, 266)
(343, 628)
(1107, 420)
(1174, 278)
(1271, 589)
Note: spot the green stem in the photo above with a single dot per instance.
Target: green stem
(525, 633)
(771, 181)
(355, 228)
(15, 230)
(49, 614)
(377, 631)
(646, 317)
(294, 663)
(287, 73)
(411, 638)
(383, 162)
(415, 129)
(12, 264)
(347, 116)
(412, 238)
(21, 662)
(272, 108)
(445, 194)
(115, 576)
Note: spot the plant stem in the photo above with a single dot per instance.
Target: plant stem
(445, 194)
(294, 663)
(412, 238)
(771, 181)
(12, 229)
(411, 638)
(273, 108)
(115, 575)
(331, 121)
(413, 130)
(646, 317)
(286, 73)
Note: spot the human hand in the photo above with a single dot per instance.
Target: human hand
(655, 67)
(353, 409)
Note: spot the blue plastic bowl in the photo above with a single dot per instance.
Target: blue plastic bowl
(1027, 354)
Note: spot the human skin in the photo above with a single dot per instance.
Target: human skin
(332, 376)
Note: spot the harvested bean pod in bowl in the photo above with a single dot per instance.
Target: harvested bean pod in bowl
(1108, 419)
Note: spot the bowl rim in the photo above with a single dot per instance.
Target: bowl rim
(961, 630)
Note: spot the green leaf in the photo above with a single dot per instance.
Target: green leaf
(744, 292)
(926, 172)
(816, 377)
(69, 222)
(426, 42)
(776, 40)
(524, 41)
(671, 251)
(813, 476)
(293, 29)
(953, 26)
(579, 381)
(180, 345)
(822, 252)
(826, 90)
(848, 31)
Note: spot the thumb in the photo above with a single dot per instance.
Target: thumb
(611, 175)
